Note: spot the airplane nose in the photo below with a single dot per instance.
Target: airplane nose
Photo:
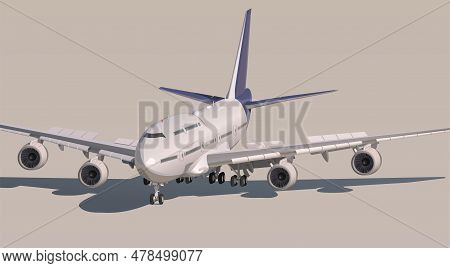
(150, 162)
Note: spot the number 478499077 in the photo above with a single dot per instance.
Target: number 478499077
(167, 255)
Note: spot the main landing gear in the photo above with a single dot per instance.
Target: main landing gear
(234, 181)
(187, 180)
(157, 196)
(213, 177)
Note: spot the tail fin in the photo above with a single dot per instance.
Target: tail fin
(238, 89)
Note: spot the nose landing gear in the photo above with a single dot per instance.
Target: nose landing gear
(157, 196)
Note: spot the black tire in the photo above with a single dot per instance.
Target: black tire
(145, 181)
(152, 199)
(221, 177)
(233, 181)
(188, 180)
(243, 181)
(212, 178)
(161, 199)
(179, 180)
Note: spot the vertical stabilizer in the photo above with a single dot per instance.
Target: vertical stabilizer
(238, 83)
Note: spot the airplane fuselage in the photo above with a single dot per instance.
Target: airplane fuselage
(177, 146)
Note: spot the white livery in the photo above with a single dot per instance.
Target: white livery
(186, 146)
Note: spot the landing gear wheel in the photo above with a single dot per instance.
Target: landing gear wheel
(145, 181)
(161, 199)
(233, 181)
(152, 199)
(188, 180)
(180, 180)
(243, 181)
(212, 178)
(221, 177)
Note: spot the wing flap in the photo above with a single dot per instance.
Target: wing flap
(72, 145)
(16, 132)
(124, 158)
(78, 134)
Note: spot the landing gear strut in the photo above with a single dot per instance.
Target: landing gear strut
(234, 181)
(243, 181)
(157, 196)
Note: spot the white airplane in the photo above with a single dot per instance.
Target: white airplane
(186, 146)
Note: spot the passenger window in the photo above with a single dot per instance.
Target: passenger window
(185, 129)
(179, 131)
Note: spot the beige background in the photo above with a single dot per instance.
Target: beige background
(400, 84)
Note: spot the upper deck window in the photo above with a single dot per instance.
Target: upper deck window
(154, 135)
(192, 126)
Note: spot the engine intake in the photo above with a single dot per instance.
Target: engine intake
(282, 176)
(366, 162)
(33, 156)
(93, 173)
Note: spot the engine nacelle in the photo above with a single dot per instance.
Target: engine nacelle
(366, 162)
(93, 173)
(282, 176)
(33, 156)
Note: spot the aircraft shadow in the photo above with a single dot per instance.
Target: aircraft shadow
(120, 195)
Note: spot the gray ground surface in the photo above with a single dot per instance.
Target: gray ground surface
(399, 84)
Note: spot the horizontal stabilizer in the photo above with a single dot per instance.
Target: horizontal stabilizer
(192, 95)
(260, 103)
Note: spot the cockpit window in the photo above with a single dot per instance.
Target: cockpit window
(154, 135)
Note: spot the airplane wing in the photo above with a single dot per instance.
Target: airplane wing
(318, 145)
(122, 149)
(261, 103)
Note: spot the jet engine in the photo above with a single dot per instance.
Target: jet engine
(282, 176)
(366, 162)
(33, 156)
(93, 173)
